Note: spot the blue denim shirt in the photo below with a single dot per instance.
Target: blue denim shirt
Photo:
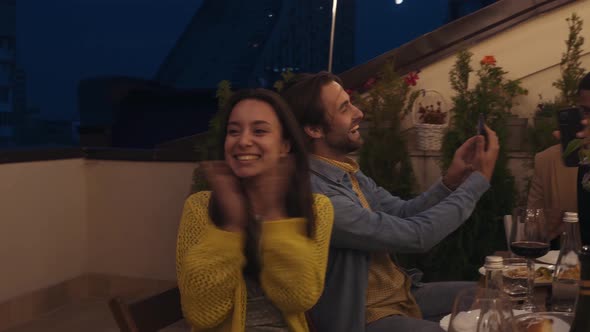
(392, 225)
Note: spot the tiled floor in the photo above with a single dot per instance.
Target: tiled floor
(88, 316)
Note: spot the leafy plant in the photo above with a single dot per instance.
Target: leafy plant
(208, 147)
(545, 122)
(286, 76)
(431, 115)
(460, 254)
(545, 118)
(570, 65)
(387, 100)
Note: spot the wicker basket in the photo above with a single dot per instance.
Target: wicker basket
(429, 136)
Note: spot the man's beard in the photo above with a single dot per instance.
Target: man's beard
(344, 145)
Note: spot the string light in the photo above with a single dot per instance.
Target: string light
(398, 2)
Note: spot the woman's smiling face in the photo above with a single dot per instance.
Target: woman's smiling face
(254, 140)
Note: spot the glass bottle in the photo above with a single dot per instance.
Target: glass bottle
(495, 308)
(581, 321)
(567, 268)
(494, 279)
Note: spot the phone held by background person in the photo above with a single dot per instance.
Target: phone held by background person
(569, 124)
(481, 129)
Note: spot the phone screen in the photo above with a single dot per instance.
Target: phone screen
(569, 124)
(481, 129)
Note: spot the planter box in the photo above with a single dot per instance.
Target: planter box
(517, 134)
(429, 136)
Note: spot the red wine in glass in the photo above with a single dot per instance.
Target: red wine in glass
(529, 249)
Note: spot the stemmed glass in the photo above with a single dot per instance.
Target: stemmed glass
(528, 239)
(481, 310)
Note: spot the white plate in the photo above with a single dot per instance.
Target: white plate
(444, 322)
(482, 270)
(561, 320)
(538, 282)
(550, 258)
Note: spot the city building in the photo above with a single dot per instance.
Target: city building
(12, 103)
(250, 43)
(126, 112)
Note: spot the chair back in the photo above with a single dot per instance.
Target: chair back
(148, 314)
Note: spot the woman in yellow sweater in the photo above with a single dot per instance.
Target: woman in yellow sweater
(252, 253)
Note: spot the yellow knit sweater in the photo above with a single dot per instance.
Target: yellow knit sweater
(209, 264)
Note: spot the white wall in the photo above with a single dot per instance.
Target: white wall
(530, 51)
(63, 219)
(43, 230)
(133, 213)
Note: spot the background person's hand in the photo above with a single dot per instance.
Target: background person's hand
(272, 190)
(580, 134)
(228, 193)
(461, 165)
(485, 160)
(554, 223)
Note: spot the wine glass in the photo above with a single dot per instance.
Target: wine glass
(481, 310)
(528, 239)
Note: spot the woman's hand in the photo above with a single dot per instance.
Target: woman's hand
(228, 193)
(270, 192)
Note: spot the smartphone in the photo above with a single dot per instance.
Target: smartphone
(569, 124)
(481, 129)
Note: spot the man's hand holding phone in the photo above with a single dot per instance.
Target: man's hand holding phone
(479, 153)
(486, 153)
(481, 129)
(572, 131)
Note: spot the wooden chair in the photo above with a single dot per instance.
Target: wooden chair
(154, 313)
(148, 314)
(310, 325)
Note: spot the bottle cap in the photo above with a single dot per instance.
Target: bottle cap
(494, 262)
(570, 217)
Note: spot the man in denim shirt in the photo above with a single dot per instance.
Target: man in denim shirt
(365, 290)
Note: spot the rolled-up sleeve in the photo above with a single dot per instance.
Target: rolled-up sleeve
(358, 228)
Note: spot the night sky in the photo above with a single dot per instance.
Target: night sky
(60, 42)
(382, 25)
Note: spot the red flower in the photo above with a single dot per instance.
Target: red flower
(412, 78)
(349, 91)
(488, 60)
(369, 83)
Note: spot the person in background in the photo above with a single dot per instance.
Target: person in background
(365, 290)
(553, 184)
(584, 170)
(251, 254)
(553, 187)
(556, 187)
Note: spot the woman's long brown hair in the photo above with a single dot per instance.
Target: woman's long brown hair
(299, 199)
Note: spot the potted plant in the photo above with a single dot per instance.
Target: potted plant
(432, 114)
(386, 100)
(544, 119)
(516, 133)
(459, 255)
(431, 120)
(207, 148)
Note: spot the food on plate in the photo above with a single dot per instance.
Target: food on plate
(542, 274)
(537, 325)
(571, 273)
